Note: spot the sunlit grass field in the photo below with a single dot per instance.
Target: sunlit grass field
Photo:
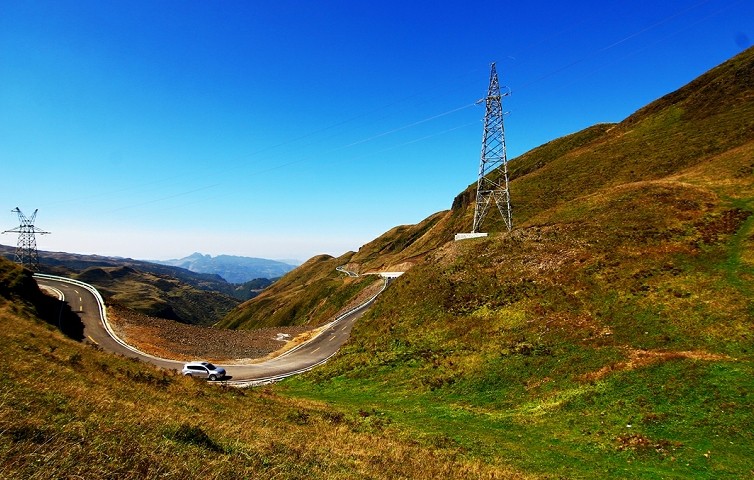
(609, 335)
(71, 411)
(574, 350)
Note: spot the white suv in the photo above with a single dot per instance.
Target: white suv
(203, 370)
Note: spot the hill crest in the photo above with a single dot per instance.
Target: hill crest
(666, 140)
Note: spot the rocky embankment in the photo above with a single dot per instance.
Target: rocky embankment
(178, 341)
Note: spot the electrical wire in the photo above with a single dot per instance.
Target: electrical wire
(621, 41)
(386, 133)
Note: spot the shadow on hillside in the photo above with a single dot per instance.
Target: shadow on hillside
(58, 313)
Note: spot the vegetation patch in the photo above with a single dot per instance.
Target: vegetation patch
(609, 334)
(194, 435)
(73, 411)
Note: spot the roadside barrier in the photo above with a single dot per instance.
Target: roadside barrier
(272, 379)
(236, 383)
(102, 313)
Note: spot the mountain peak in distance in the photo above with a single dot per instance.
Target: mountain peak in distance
(234, 269)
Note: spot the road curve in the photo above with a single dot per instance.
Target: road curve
(85, 301)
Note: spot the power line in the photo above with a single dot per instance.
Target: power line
(385, 133)
(621, 41)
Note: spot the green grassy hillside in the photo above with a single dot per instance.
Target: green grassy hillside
(158, 295)
(72, 411)
(711, 116)
(312, 294)
(602, 345)
(608, 335)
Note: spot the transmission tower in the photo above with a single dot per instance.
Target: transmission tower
(26, 249)
(492, 185)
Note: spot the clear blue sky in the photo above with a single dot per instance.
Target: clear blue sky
(285, 129)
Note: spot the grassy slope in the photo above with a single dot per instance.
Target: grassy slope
(710, 116)
(608, 336)
(158, 295)
(610, 333)
(71, 411)
(312, 294)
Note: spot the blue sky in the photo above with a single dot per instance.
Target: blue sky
(287, 129)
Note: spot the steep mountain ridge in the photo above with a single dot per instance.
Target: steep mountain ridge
(706, 119)
(609, 334)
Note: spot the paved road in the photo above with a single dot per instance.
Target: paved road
(302, 358)
(85, 305)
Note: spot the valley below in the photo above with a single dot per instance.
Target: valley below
(609, 334)
(178, 341)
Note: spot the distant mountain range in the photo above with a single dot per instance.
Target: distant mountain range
(234, 269)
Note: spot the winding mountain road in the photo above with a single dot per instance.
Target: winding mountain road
(85, 301)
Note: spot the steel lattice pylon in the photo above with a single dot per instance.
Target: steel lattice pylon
(492, 185)
(26, 249)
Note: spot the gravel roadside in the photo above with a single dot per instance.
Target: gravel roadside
(179, 341)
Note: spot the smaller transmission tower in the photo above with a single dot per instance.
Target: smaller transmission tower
(492, 185)
(26, 248)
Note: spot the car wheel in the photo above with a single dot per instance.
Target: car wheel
(213, 377)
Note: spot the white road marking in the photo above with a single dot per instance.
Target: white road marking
(240, 381)
(54, 290)
(92, 340)
(332, 338)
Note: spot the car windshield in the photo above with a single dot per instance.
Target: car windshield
(209, 366)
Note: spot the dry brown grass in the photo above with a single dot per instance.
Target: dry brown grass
(75, 412)
(170, 339)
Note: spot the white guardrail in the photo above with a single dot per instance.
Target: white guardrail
(103, 313)
(237, 383)
(274, 378)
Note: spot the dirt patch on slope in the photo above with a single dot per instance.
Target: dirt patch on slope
(644, 358)
(174, 340)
